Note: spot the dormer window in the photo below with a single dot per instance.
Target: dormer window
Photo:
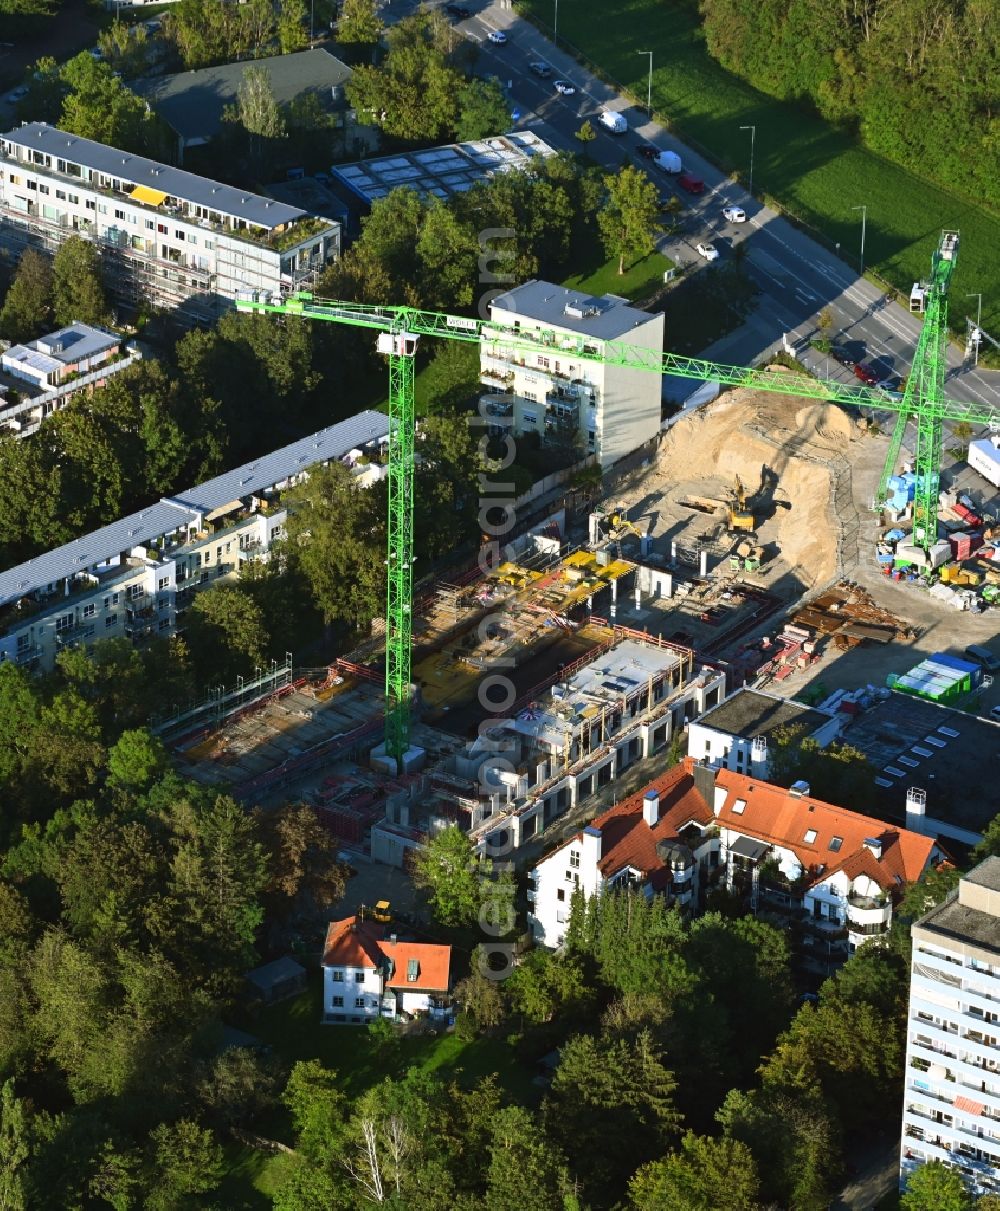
(810, 836)
(412, 971)
(739, 807)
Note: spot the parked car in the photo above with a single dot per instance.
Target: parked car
(564, 88)
(995, 714)
(866, 374)
(891, 388)
(458, 11)
(689, 182)
(497, 37)
(708, 251)
(668, 161)
(734, 214)
(839, 354)
(540, 69)
(647, 151)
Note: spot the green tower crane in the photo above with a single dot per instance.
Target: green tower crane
(399, 330)
(926, 381)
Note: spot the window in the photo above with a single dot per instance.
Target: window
(163, 582)
(74, 199)
(178, 235)
(61, 195)
(836, 843)
(210, 244)
(574, 858)
(739, 807)
(64, 622)
(561, 894)
(337, 1002)
(338, 977)
(111, 600)
(133, 591)
(43, 189)
(163, 624)
(810, 836)
(359, 1002)
(14, 180)
(569, 876)
(101, 208)
(359, 977)
(530, 419)
(120, 214)
(110, 620)
(89, 610)
(543, 363)
(560, 917)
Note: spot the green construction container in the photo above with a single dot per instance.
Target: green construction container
(751, 565)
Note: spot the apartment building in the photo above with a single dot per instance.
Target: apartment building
(794, 859)
(951, 1107)
(135, 577)
(41, 376)
(595, 407)
(524, 772)
(168, 238)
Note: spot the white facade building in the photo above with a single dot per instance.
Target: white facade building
(781, 850)
(168, 238)
(133, 577)
(951, 1107)
(367, 975)
(598, 408)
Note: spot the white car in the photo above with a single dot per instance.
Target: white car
(564, 88)
(497, 36)
(708, 251)
(734, 214)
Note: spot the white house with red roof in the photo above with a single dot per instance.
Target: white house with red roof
(368, 974)
(837, 872)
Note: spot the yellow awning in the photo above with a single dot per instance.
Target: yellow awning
(142, 193)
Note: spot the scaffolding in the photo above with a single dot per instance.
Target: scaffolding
(220, 704)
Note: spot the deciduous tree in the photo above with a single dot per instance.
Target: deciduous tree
(704, 1174)
(448, 869)
(935, 1186)
(629, 219)
(359, 23)
(77, 289)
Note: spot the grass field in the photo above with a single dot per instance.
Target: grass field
(638, 282)
(813, 170)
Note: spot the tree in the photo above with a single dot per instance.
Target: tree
(136, 760)
(187, 1160)
(98, 106)
(935, 1186)
(483, 110)
(704, 1174)
(291, 26)
(525, 1169)
(256, 119)
(239, 1085)
(989, 846)
(359, 24)
(305, 877)
(447, 868)
(225, 631)
(317, 1107)
(480, 997)
(628, 221)
(14, 1150)
(27, 310)
(450, 379)
(77, 289)
(586, 133)
(544, 985)
(838, 773)
(124, 46)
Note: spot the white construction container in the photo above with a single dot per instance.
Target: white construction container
(984, 457)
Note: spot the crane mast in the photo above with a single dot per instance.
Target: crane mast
(399, 329)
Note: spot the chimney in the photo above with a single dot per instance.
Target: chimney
(704, 782)
(591, 848)
(651, 808)
(874, 846)
(916, 809)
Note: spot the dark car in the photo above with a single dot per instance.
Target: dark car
(648, 151)
(689, 182)
(866, 374)
(839, 354)
(540, 69)
(458, 11)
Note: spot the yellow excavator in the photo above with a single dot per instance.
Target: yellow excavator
(619, 524)
(739, 516)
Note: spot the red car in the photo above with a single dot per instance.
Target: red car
(866, 374)
(689, 182)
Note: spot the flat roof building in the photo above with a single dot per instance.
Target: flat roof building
(951, 1103)
(167, 236)
(580, 403)
(442, 171)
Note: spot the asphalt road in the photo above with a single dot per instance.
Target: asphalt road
(797, 277)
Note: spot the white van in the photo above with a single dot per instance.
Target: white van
(615, 122)
(668, 161)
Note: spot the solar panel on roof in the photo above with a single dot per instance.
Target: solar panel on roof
(892, 769)
(949, 731)
(908, 761)
(882, 782)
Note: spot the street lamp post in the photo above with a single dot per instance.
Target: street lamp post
(864, 221)
(555, 26)
(979, 325)
(753, 139)
(649, 85)
(312, 9)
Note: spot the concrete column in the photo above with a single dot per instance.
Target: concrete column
(668, 585)
(614, 598)
(638, 597)
(703, 562)
(673, 550)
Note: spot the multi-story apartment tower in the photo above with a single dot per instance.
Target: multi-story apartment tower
(169, 238)
(594, 407)
(951, 1108)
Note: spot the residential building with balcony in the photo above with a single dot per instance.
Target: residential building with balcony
(830, 873)
(168, 238)
(592, 407)
(41, 376)
(369, 974)
(951, 1106)
(135, 577)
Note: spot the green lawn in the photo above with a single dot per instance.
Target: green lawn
(250, 1179)
(815, 171)
(294, 1030)
(638, 282)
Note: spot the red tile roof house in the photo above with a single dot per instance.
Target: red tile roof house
(367, 975)
(835, 871)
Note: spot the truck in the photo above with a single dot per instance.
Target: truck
(984, 457)
(669, 161)
(611, 120)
